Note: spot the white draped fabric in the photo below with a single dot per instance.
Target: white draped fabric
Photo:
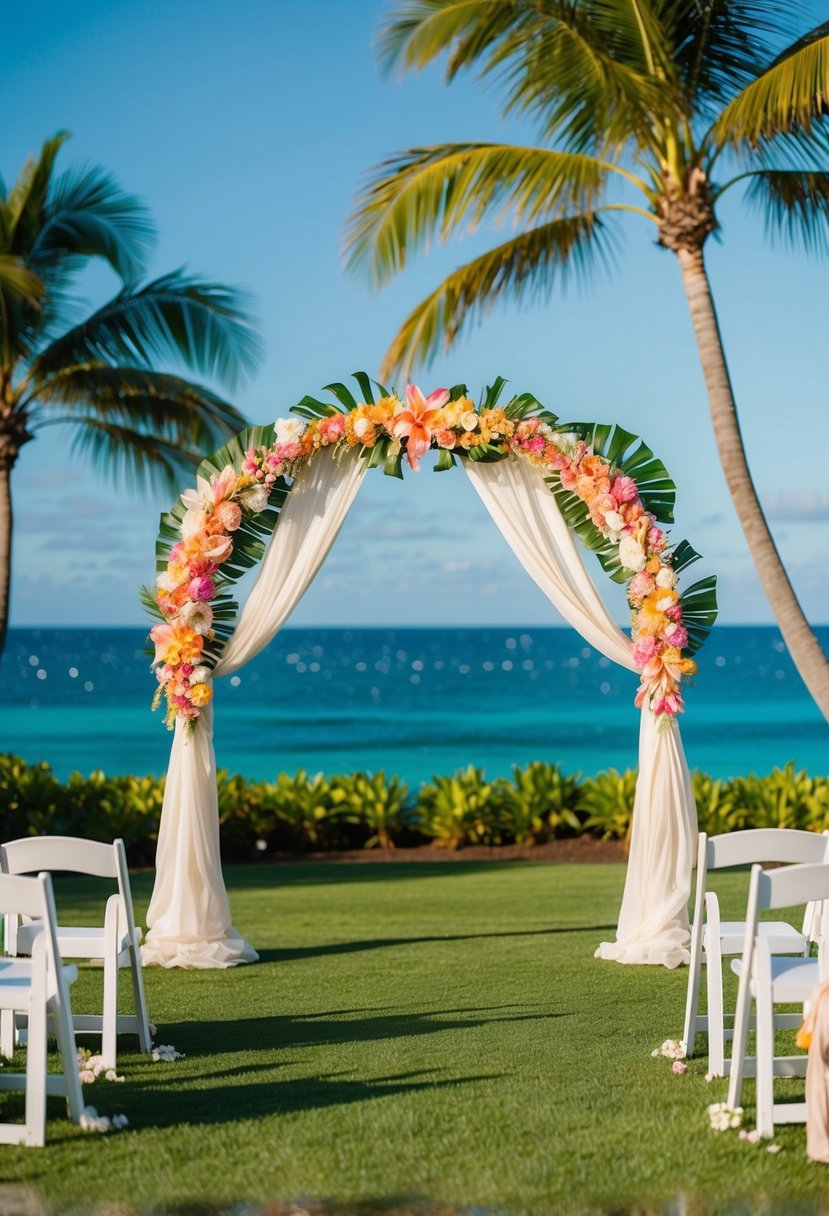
(189, 916)
(653, 922)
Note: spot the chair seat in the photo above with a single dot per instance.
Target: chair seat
(782, 938)
(16, 978)
(74, 941)
(793, 980)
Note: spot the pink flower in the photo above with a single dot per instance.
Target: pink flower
(599, 508)
(537, 443)
(333, 428)
(644, 650)
(215, 548)
(414, 424)
(624, 489)
(250, 464)
(569, 477)
(641, 585)
(229, 515)
(223, 484)
(674, 613)
(445, 437)
(677, 635)
(201, 588)
(679, 1067)
(164, 637)
(657, 540)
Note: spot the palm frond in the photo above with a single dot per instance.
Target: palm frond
(157, 403)
(793, 92)
(204, 325)
(88, 215)
(794, 205)
(441, 189)
(27, 197)
(722, 45)
(561, 62)
(128, 455)
(18, 282)
(527, 266)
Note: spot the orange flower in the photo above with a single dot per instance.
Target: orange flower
(414, 424)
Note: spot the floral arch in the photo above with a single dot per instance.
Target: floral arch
(276, 496)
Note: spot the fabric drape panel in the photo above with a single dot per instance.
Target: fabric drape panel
(653, 922)
(189, 919)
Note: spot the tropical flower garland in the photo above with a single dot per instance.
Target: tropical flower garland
(187, 644)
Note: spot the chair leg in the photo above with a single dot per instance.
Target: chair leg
(689, 1030)
(36, 1076)
(109, 1026)
(65, 1035)
(144, 1038)
(740, 1040)
(716, 1034)
(765, 1044)
(7, 1034)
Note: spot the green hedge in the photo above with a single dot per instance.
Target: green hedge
(309, 813)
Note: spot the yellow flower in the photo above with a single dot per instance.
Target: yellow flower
(688, 667)
(499, 425)
(200, 694)
(469, 439)
(453, 410)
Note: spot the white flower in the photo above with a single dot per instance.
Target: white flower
(199, 675)
(674, 1049)
(255, 499)
(166, 1053)
(193, 522)
(631, 554)
(112, 1075)
(723, 1118)
(362, 427)
(666, 578)
(119, 1122)
(199, 616)
(151, 1025)
(91, 1121)
(469, 420)
(165, 581)
(614, 521)
(289, 430)
(656, 1053)
(773, 1148)
(200, 497)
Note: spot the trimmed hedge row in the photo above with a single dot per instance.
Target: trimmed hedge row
(308, 813)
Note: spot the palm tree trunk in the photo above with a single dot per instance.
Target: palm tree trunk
(806, 651)
(5, 544)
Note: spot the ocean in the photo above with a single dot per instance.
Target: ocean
(414, 702)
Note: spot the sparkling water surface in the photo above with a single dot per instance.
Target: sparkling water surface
(414, 702)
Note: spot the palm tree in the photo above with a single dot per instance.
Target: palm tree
(96, 373)
(639, 103)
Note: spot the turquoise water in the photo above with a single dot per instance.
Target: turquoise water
(410, 701)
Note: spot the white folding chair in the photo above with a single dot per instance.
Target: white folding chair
(38, 988)
(713, 938)
(774, 981)
(116, 942)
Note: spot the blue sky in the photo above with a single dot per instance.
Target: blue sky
(247, 129)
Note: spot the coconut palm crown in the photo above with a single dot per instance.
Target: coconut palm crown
(648, 110)
(97, 374)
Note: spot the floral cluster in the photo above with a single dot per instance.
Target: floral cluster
(92, 1067)
(671, 1049)
(91, 1121)
(166, 1053)
(409, 428)
(616, 511)
(724, 1118)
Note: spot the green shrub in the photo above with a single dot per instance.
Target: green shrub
(378, 807)
(607, 802)
(461, 810)
(783, 799)
(540, 804)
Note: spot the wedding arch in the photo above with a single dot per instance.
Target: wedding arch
(276, 496)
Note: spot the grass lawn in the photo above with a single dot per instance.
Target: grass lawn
(432, 1033)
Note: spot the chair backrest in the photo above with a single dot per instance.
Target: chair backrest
(786, 845)
(70, 854)
(23, 895)
(790, 885)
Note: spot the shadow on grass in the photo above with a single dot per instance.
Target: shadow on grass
(323, 1029)
(290, 953)
(331, 873)
(220, 1101)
